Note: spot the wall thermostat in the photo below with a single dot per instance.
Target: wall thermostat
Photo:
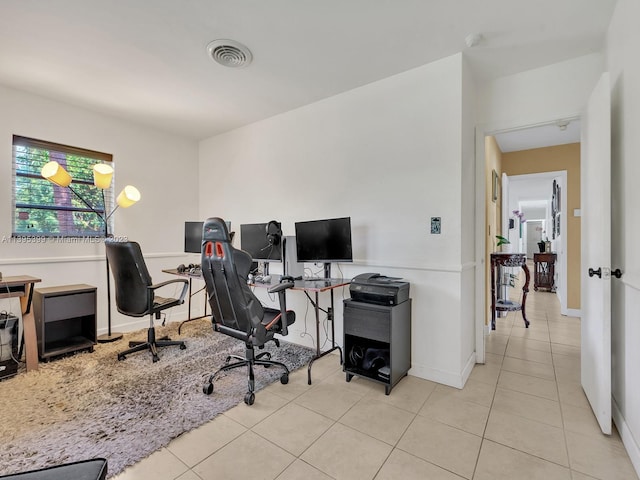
(435, 225)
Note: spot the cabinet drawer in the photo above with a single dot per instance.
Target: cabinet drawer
(367, 321)
(61, 307)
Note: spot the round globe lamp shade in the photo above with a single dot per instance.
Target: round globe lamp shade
(128, 196)
(102, 174)
(53, 172)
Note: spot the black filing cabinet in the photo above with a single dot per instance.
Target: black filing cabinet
(377, 341)
(65, 319)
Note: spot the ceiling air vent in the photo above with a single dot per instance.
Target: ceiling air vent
(229, 53)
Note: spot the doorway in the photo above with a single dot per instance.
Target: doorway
(532, 139)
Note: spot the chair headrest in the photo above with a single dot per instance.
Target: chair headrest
(215, 230)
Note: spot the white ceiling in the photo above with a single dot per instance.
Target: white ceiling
(540, 136)
(146, 60)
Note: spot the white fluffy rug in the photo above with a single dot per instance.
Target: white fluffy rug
(91, 405)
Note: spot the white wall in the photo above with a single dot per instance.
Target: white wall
(540, 95)
(389, 156)
(624, 66)
(162, 166)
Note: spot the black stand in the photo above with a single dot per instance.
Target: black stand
(330, 310)
(327, 271)
(109, 336)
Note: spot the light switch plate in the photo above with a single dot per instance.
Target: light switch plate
(435, 225)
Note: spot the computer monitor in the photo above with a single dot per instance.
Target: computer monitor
(324, 241)
(255, 241)
(193, 237)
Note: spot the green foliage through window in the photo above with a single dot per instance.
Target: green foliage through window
(44, 209)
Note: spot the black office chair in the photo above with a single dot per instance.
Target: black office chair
(136, 293)
(235, 309)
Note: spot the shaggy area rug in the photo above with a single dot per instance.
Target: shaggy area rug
(91, 405)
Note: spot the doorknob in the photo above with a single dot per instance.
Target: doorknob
(617, 273)
(597, 272)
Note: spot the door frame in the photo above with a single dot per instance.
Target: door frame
(482, 131)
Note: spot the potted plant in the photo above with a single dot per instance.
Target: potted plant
(504, 243)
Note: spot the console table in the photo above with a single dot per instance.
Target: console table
(544, 271)
(504, 305)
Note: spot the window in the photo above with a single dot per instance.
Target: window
(41, 208)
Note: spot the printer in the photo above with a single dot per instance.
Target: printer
(378, 289)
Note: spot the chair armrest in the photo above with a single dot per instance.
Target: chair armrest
(156, 286)
(280, 286)
(281, 290)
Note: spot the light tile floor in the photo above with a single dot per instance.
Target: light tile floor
(522, 415)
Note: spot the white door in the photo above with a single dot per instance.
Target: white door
(596, 253)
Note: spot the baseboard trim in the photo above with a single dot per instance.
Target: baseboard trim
(573, 312)
(628, 440)
(445, 378)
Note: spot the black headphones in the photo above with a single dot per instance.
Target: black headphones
(182, 268)
(356, 354)
(274, 232)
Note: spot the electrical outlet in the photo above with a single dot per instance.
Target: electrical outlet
(435, 226)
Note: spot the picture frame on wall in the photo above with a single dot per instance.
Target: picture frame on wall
(495, 186)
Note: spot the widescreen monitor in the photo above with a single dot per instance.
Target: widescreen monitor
(254, 241)
(324, 241)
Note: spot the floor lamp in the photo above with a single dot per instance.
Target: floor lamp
(102, 175)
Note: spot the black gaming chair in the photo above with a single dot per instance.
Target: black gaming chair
(136, 293)
(235, 309)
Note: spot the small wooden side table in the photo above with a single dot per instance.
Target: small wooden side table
(504, 305)
(544, 271)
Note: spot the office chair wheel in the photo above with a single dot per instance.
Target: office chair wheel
(208, 388)
(284, 379)
(249, 398)
(121, 357)
(155, 358)
(183, 346)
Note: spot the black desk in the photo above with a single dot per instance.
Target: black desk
(190, 276)
(315, 287)
(306, 286)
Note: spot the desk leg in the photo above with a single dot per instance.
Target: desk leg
(29, 331)
(333, 337)
(188, 309)
(189, 318)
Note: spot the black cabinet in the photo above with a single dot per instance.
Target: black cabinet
(65, 319)
(377, 341)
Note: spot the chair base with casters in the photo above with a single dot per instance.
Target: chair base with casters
(250, 359)
(151, 344)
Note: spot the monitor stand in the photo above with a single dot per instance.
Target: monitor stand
(327, 271)
(265, 269)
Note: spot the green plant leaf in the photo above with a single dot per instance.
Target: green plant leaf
(502, 240)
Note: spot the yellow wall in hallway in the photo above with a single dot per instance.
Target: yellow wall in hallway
(552, 159)
(493, 161)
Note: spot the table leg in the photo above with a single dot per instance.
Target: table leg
(525, 290)
(29, 330)
(333, 343)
